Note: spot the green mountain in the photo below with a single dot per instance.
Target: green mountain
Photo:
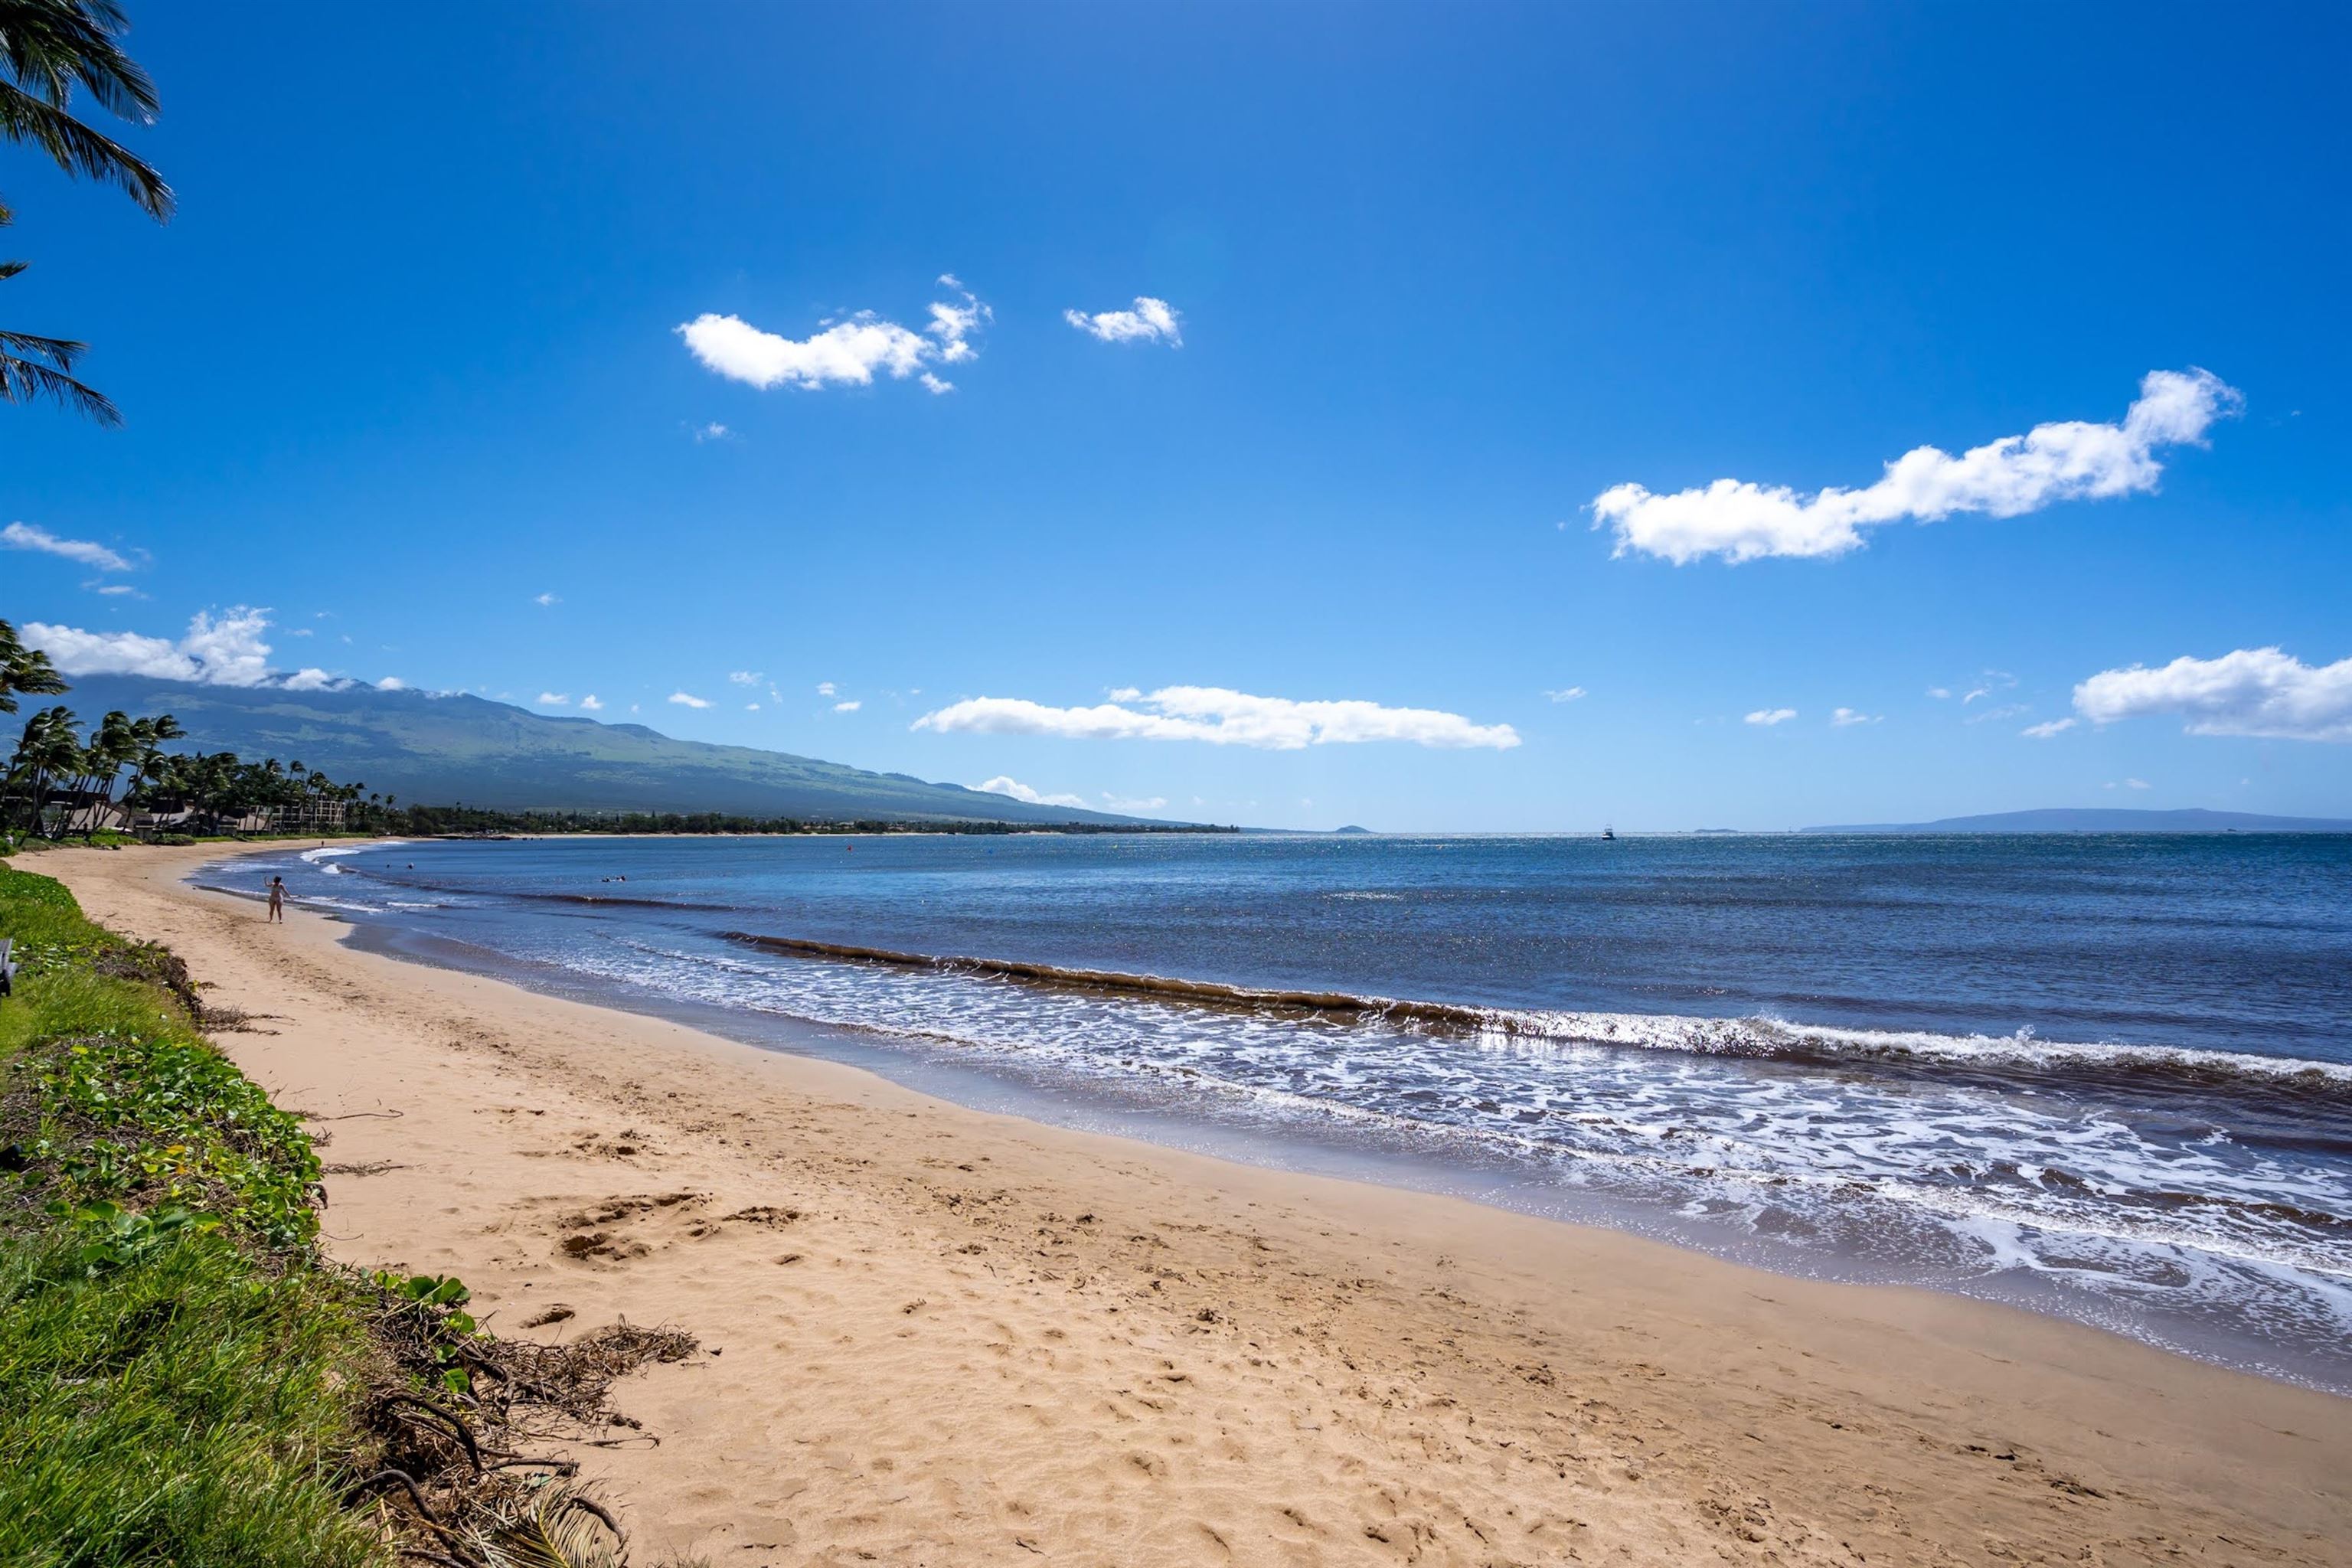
(2098, 820)
(442, 749)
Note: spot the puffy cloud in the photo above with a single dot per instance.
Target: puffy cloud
(850, 705)
(1014, 789)
(2065, 460)
(2046, 729)
(1770, 716)
(224, 652)
(688, 700)
(1221, 717)
(824, 688)
(590, 705)
(1150, 321)
(544, 600)
(1566, 694)
(392, 683)
(1131, 804)
(745, 677)
(1846, 717)
(849, 352)
(2258, 692)
(24, 536)
(312, 678)
(554, 699)
(714, 431)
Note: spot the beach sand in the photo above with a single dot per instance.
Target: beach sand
(934, 1336)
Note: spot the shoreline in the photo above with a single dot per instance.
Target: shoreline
(948, 1335)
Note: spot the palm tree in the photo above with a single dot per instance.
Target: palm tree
(114, 746)
(48, 47)
(48, 751)
(24, 669)
(150, 735)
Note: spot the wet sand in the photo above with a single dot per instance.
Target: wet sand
(935, 1336)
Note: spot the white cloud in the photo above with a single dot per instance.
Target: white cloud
(544, 600)
(1566, 694)
(851, 706)
(2066, 461)
(1994, 715)
(1016, 790)
(1131, 804)
(24, 536)
(1846, 717)
(750, 708)
(824, 688)
(933, 385)
(2046, 729)
(1221, 717)
(1770, 716)
(714, 431)
(312, 678)
(590, 705)
(847, 353)
(745, 677)
(2258, 692)
(554, 699)
(226, 652)
(688, 700)
(392, 683)
(2137, 784)
(1150, 321)
(1940, 693)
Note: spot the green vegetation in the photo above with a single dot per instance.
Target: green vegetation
(48, 48)
(168, 1401)
(178, 1377)
(184, 1379)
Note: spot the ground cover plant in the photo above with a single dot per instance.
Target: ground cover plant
(183, 1378)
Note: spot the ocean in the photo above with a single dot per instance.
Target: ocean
(2105, 1077)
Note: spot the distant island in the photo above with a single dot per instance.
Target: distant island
(1351, 827)
(2096, 820)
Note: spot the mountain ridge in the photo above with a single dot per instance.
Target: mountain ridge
(441, 748)
(2097, 819)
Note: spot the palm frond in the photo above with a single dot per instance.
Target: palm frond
(49, 45)
(26, 381)
(78, 150)
(59, 352)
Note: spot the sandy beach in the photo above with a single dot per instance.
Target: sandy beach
(934, 1336)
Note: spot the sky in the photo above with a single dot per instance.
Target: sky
(1478, 418)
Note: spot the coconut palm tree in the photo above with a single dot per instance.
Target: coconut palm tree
(151, 734)
(24, 670)
(49, 49)
(114, 746)
(49, 750)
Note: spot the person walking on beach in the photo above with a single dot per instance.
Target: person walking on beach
(278, 899)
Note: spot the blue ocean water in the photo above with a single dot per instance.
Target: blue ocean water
(2104, 1075)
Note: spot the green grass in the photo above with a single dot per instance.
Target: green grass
(178, 1375)
(185, 1408)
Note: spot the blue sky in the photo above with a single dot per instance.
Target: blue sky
(408, 361)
